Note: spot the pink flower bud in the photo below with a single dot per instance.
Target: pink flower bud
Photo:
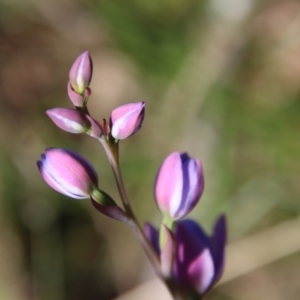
(68, 173)
(70, 120)
(75, 121)
(77, 99)
(179, 185)
(127, 119)
(81, 73)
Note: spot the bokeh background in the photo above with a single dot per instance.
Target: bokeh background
(221, 79)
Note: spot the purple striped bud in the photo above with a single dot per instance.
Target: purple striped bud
(127, 119)
(75, 121)
(68, 173)
(81, 73)
(179, 185)
(199, 261)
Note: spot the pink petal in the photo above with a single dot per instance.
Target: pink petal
(201, 271)
(168, 186)
(127, 119)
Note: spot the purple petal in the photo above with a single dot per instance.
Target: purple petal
(193, 185)
(152, 235)
(201, 271)
(127, 119)
(218, 246)
(193, 251)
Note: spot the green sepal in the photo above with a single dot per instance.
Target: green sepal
(168, 222)
(102, 198)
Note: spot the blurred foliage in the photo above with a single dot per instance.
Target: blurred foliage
(154, 33)
(221, 80)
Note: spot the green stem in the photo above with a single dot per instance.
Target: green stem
(112, 154)
(168, 222)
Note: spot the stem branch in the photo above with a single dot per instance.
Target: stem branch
(134, 224)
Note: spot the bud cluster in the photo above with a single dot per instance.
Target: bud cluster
(183, 255)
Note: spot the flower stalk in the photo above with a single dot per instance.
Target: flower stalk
(189, 261)
(112, 153)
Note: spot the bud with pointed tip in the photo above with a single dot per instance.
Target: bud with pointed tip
(81, 73)
(179, 185)
(75, 121)
(68, 173)
(70, 120)
(127, 119)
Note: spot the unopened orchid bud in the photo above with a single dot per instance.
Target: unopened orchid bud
(70, 120)
(77, 99)
(127, 119)
(81, 73)
(199, 261)
(75, 121)
(68, 173)
(179, 185)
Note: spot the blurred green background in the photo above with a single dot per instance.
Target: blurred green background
(221, 80)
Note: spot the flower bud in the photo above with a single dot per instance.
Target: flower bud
(127, 119)
(81, 73)
(68, 173)
(77, 99)
(70, 120)
(179, 185)
(75, 121)
(199, 261)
